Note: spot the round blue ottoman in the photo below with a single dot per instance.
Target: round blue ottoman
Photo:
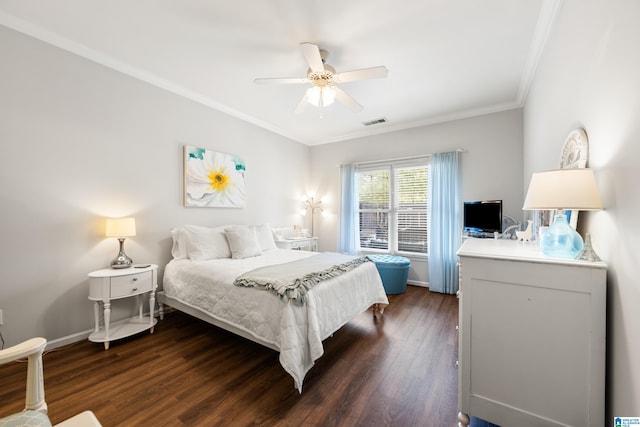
(394, 271)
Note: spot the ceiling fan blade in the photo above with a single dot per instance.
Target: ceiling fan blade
(311, 53)
(282, 80)
(347, 100)
(363, 74)
(302, 105)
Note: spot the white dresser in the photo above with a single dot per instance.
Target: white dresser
(531, 344)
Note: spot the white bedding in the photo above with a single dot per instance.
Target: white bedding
(296, 331)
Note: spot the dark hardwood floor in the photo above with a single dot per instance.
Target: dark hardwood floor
(397, 372)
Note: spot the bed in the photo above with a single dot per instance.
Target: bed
(203, 280)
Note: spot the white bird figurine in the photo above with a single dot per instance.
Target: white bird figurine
(525, 235)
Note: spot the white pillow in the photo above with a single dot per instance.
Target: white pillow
(264, 235)
(179, 249)
(242, 241)
(206, 242)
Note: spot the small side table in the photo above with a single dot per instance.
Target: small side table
(299, 243)
(110, 284)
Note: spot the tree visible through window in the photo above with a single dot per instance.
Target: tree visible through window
(393, 207)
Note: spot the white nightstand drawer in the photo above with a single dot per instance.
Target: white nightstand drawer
(131, 284)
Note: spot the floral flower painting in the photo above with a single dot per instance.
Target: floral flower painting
(213, 179)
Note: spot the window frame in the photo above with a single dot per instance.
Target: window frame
(394, 206)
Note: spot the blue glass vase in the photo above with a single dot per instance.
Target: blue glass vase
(561, 240)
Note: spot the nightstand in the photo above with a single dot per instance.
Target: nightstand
(110, 284)
(299, 243)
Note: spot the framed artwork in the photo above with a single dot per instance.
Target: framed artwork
(575, 152)
(213, 179)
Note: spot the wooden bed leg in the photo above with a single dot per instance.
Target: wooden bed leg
(377, 309)
(160, 311)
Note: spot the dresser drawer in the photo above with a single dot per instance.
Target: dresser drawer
(132, 284)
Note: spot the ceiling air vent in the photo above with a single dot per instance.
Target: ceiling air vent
(375, 122)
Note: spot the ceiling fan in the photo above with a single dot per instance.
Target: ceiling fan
(324, 78)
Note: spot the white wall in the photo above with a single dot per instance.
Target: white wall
(589, 77)
(491, 164)
(80, 142)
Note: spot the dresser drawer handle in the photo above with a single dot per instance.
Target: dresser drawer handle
(134, 289)
(135, 279)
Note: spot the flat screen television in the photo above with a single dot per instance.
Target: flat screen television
(483, 216)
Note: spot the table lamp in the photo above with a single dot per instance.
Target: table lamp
(120, 228)
(562, 189)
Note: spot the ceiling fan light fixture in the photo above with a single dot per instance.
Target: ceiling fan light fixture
(325, 94)
(325, 81)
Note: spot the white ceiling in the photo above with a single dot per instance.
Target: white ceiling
(447, 59)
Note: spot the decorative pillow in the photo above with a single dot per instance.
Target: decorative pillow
(264, 235)
(205, 242)
(243, 242)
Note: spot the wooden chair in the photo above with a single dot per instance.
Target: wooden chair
(35, 411)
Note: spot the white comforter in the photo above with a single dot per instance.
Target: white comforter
(297, 331)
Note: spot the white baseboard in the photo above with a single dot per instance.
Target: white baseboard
(69, 339)
(418, 283)
(79, 336)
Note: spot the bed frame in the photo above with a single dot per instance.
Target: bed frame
(203, 315)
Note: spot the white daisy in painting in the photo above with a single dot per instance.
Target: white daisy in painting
(213, 179)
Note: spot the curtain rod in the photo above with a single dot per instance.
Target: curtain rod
(398, 159)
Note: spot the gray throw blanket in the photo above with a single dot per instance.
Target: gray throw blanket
(292, 280)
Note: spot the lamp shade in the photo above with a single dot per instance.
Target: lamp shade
(573, 189)
(120, 227)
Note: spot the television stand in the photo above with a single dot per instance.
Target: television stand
(482, 235)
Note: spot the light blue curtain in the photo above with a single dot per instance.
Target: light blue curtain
(446, 223)
(348, 238)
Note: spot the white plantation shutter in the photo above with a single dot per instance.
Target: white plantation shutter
(411, 208)
(392, 201)
(374, 204)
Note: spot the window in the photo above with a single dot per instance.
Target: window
(392, 206)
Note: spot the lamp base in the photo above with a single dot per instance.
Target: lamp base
(561, 240)
(122, 260)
